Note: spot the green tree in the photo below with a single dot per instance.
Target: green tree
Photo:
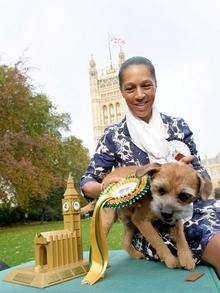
(33, 156)
(74, 159)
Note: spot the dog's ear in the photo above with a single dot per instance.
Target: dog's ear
(149, 169)
(205, 187)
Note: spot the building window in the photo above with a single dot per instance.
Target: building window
(111, 112)
(118, 111)
(105, 115)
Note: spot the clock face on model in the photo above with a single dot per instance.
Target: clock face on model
(66, 206)
(76, 205)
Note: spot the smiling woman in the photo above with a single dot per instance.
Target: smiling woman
(145, 136)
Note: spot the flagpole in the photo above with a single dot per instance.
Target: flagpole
(109, 49)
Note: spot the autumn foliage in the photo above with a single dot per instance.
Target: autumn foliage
(34, 158)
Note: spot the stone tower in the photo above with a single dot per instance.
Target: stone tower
(108, 106)
(71, 213)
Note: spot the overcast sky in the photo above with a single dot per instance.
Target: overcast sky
(181, 38)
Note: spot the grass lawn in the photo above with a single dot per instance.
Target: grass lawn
(17, 242)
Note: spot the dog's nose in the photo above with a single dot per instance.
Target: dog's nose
(167, 216)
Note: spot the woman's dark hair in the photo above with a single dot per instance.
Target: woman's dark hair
(137, 60)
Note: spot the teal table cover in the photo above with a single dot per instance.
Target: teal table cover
(128, 275)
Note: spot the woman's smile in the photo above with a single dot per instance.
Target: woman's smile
(141, 104)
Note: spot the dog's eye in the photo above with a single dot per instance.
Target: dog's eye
(161, 190)
(184, 197)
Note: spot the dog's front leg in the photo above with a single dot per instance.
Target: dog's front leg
(152, 236)
(125, 215)
(183, 251)
(108, 218)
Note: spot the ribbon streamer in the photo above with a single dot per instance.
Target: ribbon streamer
(118, 195)
(99, 249)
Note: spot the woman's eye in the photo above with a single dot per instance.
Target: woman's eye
(161, 190)
(184, 197)
(147, 86)
(130, 89)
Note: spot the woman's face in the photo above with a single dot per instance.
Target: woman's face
(139, 89)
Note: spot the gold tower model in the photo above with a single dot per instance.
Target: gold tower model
(58, 254)
(108, 106)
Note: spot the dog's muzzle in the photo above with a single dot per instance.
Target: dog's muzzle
(167, 216)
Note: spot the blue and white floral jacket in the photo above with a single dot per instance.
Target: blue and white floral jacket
(116, 148)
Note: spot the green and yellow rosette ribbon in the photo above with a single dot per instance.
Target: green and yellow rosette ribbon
(121, 194)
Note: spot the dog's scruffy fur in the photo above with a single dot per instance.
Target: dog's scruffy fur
(174, 187)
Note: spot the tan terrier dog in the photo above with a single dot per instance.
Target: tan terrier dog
(174, 186)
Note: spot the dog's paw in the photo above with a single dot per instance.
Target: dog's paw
(137, 254)
(172, 262)
(134, 253)
(186, 260)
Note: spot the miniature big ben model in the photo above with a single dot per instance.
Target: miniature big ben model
(71, 214)
(58, 254)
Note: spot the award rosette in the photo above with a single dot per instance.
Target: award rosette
(118, 195)
(127, 191)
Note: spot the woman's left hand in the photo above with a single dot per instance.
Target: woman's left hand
(186, 160)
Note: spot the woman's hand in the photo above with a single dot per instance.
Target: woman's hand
(109, 180)
(92, 189)
(186, 160)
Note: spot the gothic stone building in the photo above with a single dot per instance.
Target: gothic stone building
(108, 106)
(213, 167)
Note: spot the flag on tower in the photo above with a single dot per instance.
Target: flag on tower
(118, 41)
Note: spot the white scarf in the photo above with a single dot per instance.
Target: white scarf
(150, 137)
